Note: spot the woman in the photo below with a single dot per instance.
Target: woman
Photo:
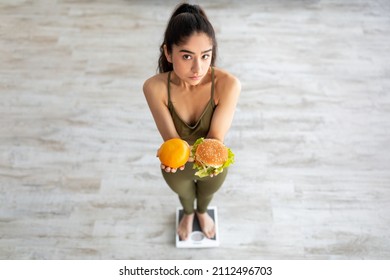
(189, 99)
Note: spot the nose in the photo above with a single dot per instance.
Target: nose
(196, 66)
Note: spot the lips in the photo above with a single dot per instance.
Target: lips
(195, 78)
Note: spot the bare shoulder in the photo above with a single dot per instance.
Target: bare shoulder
(156, 85)
(226, 83)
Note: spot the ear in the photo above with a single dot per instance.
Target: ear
(167, 54)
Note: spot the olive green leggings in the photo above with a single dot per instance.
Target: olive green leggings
(190, 187)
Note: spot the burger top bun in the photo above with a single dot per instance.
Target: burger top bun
(211, 152)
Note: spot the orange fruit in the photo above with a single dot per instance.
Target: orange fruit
(174, 152)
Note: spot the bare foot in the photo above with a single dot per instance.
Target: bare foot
(207, 224)
(185, 226)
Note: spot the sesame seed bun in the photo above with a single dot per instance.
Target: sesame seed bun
(211, 152)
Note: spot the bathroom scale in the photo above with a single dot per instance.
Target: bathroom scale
(197, 239)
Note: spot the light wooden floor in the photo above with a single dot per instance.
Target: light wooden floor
(78, 173)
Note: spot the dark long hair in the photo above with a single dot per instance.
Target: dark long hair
(186, 20)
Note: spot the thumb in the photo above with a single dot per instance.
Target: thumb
(158, 152)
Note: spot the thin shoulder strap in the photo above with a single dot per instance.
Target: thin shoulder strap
(169, 87)
(212, 85)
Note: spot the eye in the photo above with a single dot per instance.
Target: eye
(206, 56)
(187, 57)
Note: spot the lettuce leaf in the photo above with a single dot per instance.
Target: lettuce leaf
(203, 169)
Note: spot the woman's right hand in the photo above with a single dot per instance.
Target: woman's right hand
(170, 169)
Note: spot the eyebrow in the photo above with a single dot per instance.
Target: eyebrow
(187, 51)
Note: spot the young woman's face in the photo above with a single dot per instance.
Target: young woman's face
(192, 60)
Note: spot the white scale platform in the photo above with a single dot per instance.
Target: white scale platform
(197, 239)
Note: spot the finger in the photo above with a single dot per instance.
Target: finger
(162, 166)
(173, 170)
(191, 159)
(181, 167)
(167, 169)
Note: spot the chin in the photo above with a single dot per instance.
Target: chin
(194, 82)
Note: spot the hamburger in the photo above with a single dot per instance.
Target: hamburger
(211, 156)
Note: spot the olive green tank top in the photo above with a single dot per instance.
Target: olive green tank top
(188, 132)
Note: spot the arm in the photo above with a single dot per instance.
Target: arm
(156, 98)
(227, 91)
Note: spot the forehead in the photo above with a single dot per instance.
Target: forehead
(197, 42)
